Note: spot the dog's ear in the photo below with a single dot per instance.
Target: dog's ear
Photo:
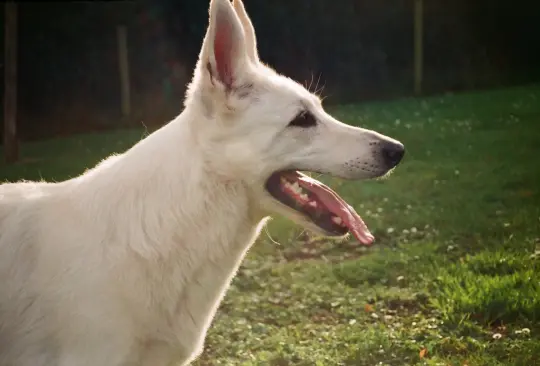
(249, 30)
(224, 54)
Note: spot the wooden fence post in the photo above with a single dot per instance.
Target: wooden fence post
(123, 64)
(11, 143)
(418, 45)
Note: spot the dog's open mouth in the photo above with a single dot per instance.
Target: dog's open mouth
(318, 203)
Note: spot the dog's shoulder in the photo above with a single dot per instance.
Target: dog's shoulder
(17, 197)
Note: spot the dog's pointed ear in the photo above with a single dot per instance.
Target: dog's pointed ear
(249, 30)
(223, 53)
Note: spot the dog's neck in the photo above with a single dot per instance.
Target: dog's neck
(188, 229)
(167, 186)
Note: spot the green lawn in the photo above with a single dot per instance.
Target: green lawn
(454, 277)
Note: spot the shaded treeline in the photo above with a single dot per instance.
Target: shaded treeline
(357, 49)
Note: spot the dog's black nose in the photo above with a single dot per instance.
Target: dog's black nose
(392, 154)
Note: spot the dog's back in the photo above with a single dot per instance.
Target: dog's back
(52, 273)
(21, 321)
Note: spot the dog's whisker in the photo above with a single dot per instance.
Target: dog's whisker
(319, 91)
(317, 84)
(270, 236)
(310, 83)
(300, 234)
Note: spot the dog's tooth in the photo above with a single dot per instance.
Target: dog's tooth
(284, 182)
(304, 197)
(337, 220)
(296, 187)
(312, 203)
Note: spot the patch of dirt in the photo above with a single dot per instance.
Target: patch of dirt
(323, 316)
(315, 248)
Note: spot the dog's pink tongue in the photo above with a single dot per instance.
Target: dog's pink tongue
(340, 208)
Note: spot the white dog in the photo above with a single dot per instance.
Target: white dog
(127, 263)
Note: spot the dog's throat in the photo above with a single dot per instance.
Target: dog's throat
(319, 203)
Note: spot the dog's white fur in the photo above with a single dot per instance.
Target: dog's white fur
(127, 263)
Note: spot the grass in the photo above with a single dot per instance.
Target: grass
(454, 276)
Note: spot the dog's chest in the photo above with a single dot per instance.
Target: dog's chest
(187, 290)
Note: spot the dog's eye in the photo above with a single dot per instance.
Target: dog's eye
(304, 119)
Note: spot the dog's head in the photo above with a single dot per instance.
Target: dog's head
(263, 127)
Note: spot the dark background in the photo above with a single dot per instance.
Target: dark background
(358, 49)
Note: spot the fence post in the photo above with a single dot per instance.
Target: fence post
(11, 143)
(418, 45)
(123, 64)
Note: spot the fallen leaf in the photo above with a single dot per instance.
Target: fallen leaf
(368, 308)
(525, 193)
(423, 353)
